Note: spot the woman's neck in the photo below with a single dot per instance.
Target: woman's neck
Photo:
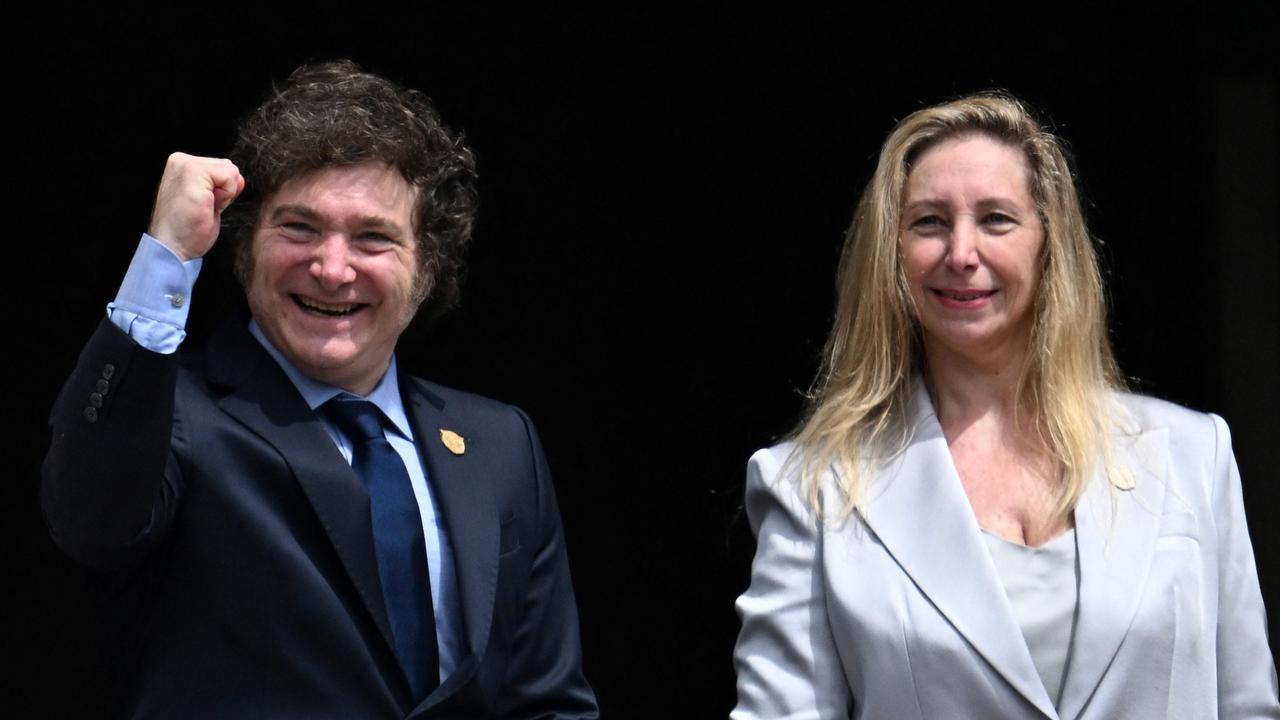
(965, 389)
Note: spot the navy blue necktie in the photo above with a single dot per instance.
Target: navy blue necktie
(398, 540)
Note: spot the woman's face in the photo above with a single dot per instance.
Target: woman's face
(970, 240)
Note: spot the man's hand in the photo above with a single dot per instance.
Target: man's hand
(193, 193)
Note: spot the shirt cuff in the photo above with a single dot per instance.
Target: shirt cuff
(155, 297)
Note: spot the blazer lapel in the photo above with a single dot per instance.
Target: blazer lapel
(918, 509)
(265, 401)
(463, 492)
(1116, 532)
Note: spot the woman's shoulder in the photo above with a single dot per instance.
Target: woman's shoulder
(774, 470)
(1191, 449)
(771, 460)
(774, 481)
(1142, 413)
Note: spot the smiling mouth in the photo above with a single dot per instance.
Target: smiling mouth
(326, 309)
(963, 295)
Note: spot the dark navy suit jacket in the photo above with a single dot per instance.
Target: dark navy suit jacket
(234, 549)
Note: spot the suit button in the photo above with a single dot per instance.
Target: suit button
(108, 370)
(91, 414)
(103, 386)
(95, 400)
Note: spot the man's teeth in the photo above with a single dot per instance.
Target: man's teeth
(326, 308)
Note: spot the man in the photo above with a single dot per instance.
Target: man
(285, 525)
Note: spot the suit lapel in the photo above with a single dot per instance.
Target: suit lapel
(1116, 532)
(463, 493)
(264, 400)
(918, 509)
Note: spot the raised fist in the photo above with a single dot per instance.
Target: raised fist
(189, 203)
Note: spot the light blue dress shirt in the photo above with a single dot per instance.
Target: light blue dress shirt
(152, 307)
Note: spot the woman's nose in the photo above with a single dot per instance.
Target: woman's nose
(962, 248)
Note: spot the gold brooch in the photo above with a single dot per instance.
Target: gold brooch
(1122, 478)
(452, 440)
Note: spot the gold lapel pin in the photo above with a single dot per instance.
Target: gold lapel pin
(1122, 478)
(452, 440)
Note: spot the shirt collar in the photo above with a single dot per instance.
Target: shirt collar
(385, 395)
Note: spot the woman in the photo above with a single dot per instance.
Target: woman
(975, 520)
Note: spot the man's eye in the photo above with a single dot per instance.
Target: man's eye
(297, 227)
(375, 237)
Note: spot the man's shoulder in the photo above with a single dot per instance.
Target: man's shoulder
(452, 396)
(474, 425)
(476, 409)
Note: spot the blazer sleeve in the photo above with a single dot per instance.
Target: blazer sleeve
(786, 657)
(1246, 671)
(544, 678)
(109, 484)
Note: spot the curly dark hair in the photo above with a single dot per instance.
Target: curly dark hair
(333, 114)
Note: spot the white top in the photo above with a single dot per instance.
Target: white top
(1041, 583)
(898, 612)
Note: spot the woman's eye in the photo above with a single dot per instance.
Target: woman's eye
(927, 221)
(998, 218)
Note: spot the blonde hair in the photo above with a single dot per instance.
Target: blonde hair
(861, 403)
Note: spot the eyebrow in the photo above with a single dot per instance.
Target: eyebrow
(933, 203)
(926, 203)
(365, 222)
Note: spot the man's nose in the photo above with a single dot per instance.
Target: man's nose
(331, 264)
(962, 248)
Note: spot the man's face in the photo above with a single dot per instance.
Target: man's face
(335, 271)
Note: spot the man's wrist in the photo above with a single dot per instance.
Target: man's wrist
(155, 297)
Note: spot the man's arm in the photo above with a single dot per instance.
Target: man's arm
(105, 490)
(155, 297)
(545, 678)
(109, 483)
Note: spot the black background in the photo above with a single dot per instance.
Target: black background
(664, 192)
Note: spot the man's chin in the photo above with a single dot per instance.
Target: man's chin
(326, 359)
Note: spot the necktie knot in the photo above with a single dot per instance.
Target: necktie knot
(359, 420)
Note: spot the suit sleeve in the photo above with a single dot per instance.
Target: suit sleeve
(109, 485)
(1246, 670)
(544, 678)
(786, 657)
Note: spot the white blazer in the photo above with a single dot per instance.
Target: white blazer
(899, 613)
